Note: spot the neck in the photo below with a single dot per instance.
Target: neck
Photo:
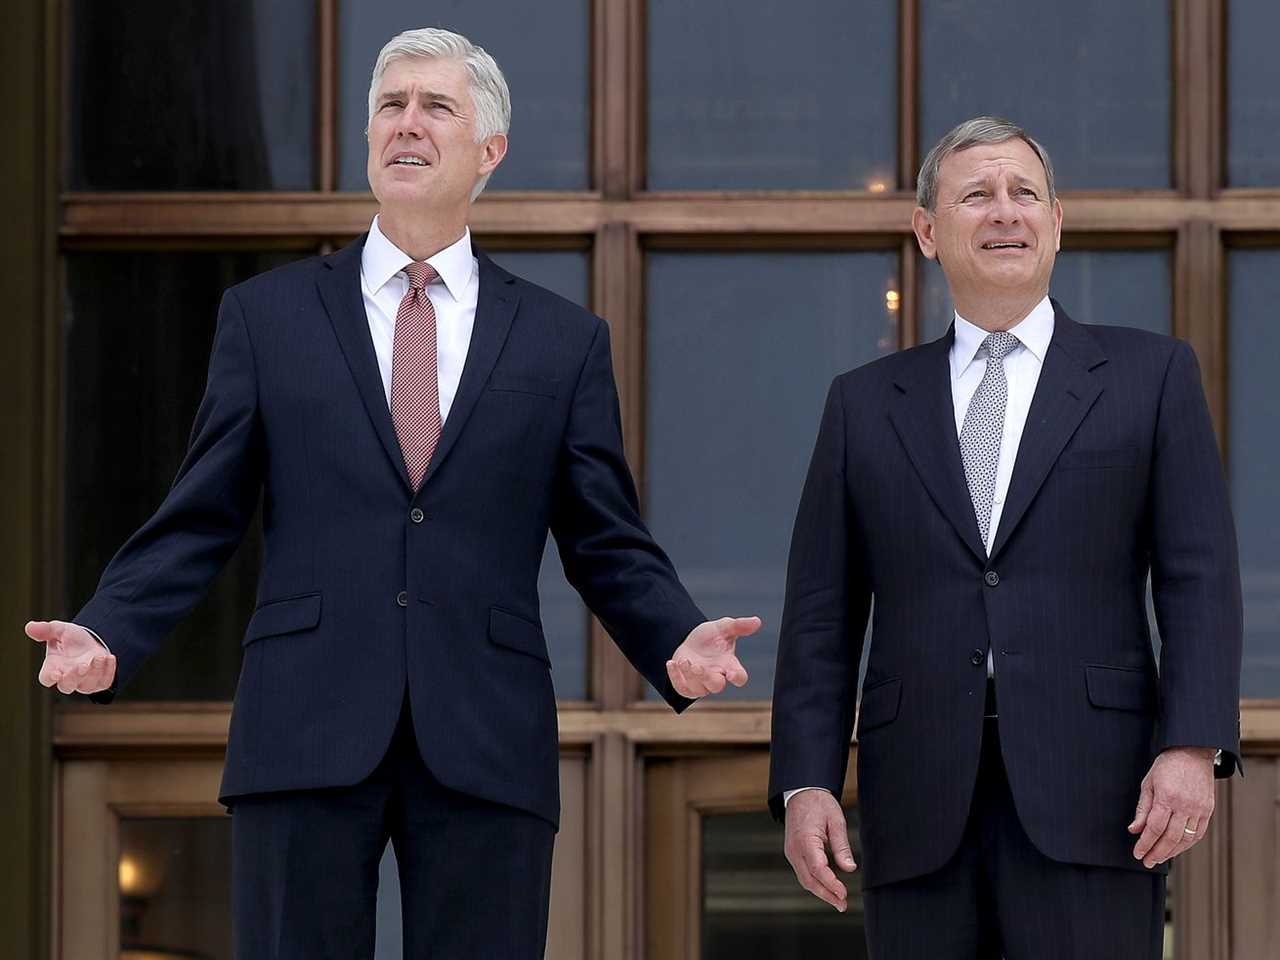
(996, 312)
(420, 236)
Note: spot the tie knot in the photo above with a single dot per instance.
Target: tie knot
(1000, 344)
(420, 274)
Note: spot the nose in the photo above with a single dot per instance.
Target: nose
(409, 123)
(1003, 209)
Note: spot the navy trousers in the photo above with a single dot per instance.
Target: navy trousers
(475, 876)
(1000, 897)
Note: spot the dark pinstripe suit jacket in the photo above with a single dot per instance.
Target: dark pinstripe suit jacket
(369, 588)
(1117, 477)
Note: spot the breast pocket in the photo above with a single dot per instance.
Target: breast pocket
(531, 386)
(1117, 458)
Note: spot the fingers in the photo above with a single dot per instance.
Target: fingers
(1139, 821)
(98, 674)
(1167, 842)
(737, 673)
(86, 676)
(1157, 823)
(741, 626)
(683, 681)
(815, 858)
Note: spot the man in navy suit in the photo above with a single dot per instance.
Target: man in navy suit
(1003, 494)
(415, 420)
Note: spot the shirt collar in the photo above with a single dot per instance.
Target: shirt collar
(1034, 331)
(381, 260)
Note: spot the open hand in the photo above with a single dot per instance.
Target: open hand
(1175, 804)
(706, 662)
(74, 660)
(814, 823)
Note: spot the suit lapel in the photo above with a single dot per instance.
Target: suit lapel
(1064, 393)
(339, 286)
(495, 308)
(923, 415)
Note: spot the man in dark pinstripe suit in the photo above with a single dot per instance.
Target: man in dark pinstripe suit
(1025, 772)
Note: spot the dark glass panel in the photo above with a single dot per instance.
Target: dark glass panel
(1253, 110)
(1091, 80)
(174, 879)
(543, 52)
(1127, 288)
(752, 905)
(1254, 458)
(740, 350)
(564, 617)
(191, 96)
(795, 95)
(138, 328)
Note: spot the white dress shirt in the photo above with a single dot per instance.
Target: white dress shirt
(1022, 371)
(383, 284)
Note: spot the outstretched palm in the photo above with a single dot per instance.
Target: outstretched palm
(706, 662)
(74, 660)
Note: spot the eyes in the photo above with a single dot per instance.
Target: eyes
(435, 106)
(1020, 193)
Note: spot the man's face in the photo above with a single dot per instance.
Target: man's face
(422, 147)
(993, 228)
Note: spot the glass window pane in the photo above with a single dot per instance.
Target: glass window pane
(564, 617)
(191, 96)
(138, 328)
(740, 350)
(543, 52)
(174, 880)
(1091, 81)
(796, 95)
(752, 905)
(1254, 457)
(1127, 288)
(1253, 76)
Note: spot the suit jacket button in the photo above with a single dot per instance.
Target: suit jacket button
(416, 515)
(977, 658)
(991, 578)
(402, 598)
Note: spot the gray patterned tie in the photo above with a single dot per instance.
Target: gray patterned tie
(983, 426)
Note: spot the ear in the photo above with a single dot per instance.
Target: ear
(495, 148)
(1057, 224)
(922, 224)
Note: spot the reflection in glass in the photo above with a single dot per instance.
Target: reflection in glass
(1127, 288)
(740, 349)
(564, 617)
(1254, 457)
(801, 95)
(191, 96)
(1095, 89)
(1253, 111)
(752, 905)
(541, 48)
(138, 328)
(174, 879)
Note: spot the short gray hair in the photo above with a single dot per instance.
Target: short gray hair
(489, 91)
(971, 133)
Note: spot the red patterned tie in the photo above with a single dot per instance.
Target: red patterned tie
(415, 392)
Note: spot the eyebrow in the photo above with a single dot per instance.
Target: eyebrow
(1017, 180)
(425, 95)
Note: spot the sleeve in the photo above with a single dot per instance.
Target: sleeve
(1195, 574)
(608, 554)
(824, 619)
(163, 570)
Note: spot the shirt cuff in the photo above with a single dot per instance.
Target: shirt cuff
(788, 794)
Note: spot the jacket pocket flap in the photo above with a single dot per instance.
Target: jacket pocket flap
(879, 705)
(284, 616)
(1119, 688)
(514, 383)
(1084, 459)
(518, 634)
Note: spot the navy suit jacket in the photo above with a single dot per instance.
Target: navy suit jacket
(357, 599)
(1117, 477)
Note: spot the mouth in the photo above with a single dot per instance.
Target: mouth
(1004, 245)
(408, 160)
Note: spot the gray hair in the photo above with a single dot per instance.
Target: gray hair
(489, 90)
(971, 133)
